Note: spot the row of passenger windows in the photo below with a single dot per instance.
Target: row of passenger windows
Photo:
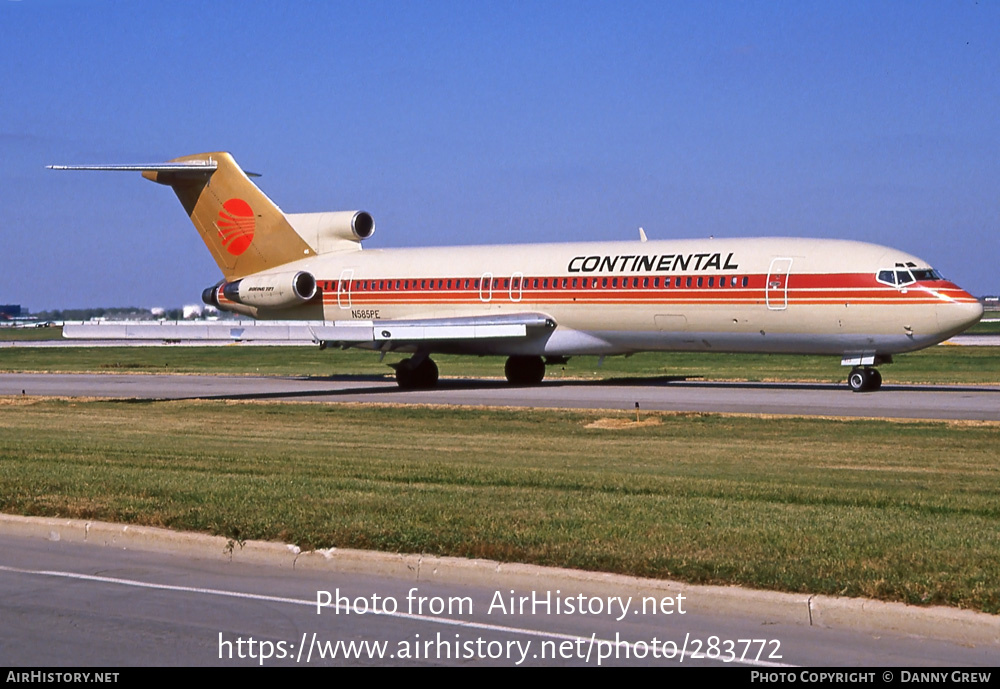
(518, 283)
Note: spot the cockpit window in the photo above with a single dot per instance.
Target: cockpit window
(904, 274)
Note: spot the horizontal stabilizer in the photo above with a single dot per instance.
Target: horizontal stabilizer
(205, 166)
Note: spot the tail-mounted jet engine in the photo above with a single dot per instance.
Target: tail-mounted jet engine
(333, 231)
(271, 291)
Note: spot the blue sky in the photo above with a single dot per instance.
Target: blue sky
(494, 122)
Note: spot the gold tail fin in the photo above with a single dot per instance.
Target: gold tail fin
(243, 229)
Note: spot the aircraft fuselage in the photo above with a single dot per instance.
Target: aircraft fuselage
(810, 296)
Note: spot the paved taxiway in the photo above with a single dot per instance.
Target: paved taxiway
(664, 394)
(86, 593)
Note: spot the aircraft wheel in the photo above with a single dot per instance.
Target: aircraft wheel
(876, 381)
(864, 380)
(410, 376)
(524, 370)
(404, 375)
(427, 374)
(856, 380)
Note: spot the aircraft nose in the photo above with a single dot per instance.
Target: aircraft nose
(959, 316)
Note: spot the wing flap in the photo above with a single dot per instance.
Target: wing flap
(345, 332)
(214, 331)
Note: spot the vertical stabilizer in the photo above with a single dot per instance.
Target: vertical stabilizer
(245, 231)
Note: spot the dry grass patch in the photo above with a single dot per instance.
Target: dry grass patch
(622, 423)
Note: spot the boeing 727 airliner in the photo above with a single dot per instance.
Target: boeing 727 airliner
(541, 303)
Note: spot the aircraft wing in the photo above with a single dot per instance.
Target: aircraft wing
(348, 333)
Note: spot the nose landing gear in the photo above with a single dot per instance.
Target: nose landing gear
(864, 379)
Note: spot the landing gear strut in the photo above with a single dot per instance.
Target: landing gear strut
(524, 370)
(416, 373)
(864, 379)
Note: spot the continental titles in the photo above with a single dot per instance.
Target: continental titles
(651, 264)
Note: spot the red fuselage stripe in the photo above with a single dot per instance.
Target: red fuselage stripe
(800, 289)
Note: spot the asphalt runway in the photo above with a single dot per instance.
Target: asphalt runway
(662, 394)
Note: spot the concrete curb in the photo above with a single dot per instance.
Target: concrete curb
(959, 626)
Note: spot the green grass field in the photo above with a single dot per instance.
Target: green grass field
(897, 511)
(990, 327)
(8, 334)
(941, 364)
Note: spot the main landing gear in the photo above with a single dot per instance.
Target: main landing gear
(419, 372)
(416, 373)
(864, 379)
(524, 370)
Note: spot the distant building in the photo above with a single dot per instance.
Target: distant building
(10, 311)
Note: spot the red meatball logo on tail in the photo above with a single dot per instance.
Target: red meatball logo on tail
(236, 226)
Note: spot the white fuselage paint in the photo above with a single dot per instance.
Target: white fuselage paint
(809, 296)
